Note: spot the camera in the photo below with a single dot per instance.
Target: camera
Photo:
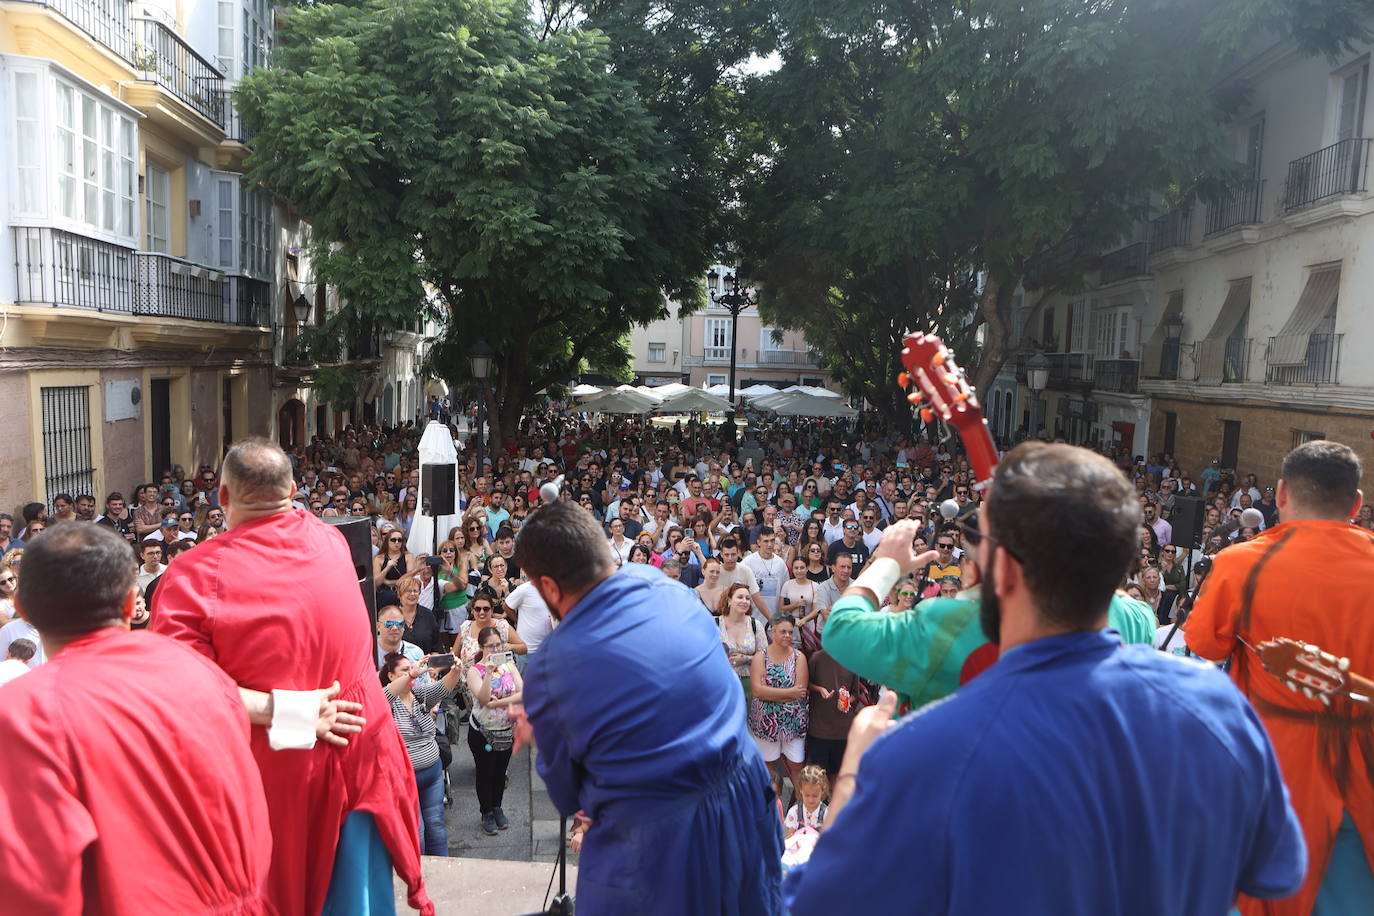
(434, 562)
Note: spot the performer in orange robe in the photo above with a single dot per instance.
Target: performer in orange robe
(274, 601)
(1308, 579)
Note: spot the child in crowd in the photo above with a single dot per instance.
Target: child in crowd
(809, 811)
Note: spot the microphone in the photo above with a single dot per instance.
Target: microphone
(1252, 518)
(549, 491)
(949, 509)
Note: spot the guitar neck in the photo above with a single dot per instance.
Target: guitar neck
(982, 452)
(1360, 691)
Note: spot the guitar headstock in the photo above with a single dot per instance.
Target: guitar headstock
(940, 389)
(1305, 668)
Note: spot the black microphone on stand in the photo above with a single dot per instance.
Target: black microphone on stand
(1185, 607)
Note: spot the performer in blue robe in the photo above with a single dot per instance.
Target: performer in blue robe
(640, 722)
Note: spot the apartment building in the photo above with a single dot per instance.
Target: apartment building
(146, 289)
(1231, 329)
(695, 349)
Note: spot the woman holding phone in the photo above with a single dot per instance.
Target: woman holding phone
(411, 707)
(495, 686)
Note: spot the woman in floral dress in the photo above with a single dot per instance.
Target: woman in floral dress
(778, 711)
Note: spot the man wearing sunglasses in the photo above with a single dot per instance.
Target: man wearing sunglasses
(391, 628)
(1065, 712)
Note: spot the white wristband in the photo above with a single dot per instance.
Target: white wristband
(294, 714)
(879, 576)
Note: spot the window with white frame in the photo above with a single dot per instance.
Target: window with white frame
(1113, 332)
(28, 118)
(719, 340)
(226, 221)
(716, 378)
(94, 156)
(658, 352)
(255, 233)
(157, 188)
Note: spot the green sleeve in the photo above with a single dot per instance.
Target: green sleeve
(877, 645)
(1134, 620)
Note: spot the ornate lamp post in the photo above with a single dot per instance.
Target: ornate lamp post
(735, 301)
(1037, 377)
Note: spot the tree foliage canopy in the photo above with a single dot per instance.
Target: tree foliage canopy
(450, 153)
(909, 145)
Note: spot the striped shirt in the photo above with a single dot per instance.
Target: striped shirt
(416, 724)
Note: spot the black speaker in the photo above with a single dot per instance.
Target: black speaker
(358, 533)
(440, 485)
(1189, 512)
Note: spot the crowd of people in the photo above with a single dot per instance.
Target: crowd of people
(772, 536)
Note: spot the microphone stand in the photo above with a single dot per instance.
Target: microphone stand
(1185, 607)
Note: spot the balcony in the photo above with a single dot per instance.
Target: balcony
(105, 21)
(716, 354)
(1121, 375)
(247, 302)
(1124, 263)
(1223, 360)
(168, 287)
(1172, 230)
(784, 358)
(1322, 362)
(1240, 207)
(1341, 168)
(60, 268)
(164, 57)
(234, 128)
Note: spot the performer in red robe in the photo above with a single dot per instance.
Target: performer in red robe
(129, 787)
(274, 601)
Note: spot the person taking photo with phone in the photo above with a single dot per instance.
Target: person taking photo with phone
(411, 707)
(495, 685)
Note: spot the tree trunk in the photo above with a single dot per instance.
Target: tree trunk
(994, 305)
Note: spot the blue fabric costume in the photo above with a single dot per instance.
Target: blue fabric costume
(1075, 776)
(639, 721)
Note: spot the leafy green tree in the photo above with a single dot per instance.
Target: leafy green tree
(453, 155)
(909, 145)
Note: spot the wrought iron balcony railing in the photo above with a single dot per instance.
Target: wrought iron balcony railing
(785, 357)
(106, 21)
(1124, 263)
(1172, 230)
(59, 268)
(1117, 375)
(1341, 168)
(1320, 367)
(169, 287)
(164, 57)
(1240, 207)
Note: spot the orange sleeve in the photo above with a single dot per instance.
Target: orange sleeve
(1210, 629)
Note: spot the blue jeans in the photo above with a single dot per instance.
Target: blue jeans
(433, 830)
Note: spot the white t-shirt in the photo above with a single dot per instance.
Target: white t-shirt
(10, 669)
(621, 551)
(871, 539)
(1175, 646)
(770, 575)
(533, 621)
(833, 532)
(19, 628)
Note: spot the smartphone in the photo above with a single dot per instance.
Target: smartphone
(499, 659)
(441, 661)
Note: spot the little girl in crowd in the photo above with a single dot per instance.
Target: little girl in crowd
(809, 811)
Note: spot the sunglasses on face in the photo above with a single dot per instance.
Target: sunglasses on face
(481, 609)
(906, 594)
(7, 581)
(945, 546)
(396, 540)
(394, 624)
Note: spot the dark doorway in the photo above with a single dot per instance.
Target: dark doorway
(321, 420)
(1230, 443)
(1170, 431)
(226, 396)
(160, 424)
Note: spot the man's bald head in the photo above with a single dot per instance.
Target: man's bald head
(257, 471)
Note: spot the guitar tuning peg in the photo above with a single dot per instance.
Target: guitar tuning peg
(961, 397)
(938, 359)
(903, 380)
(951, 378)
(1325, 699)
(1307, 692)
(927, 415)
(1291, 686)
(915, 397)
(1343, 664)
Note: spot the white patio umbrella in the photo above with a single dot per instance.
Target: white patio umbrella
(585, 391)
(796, 404)
(720, 391)
(666, 391)
(616, 401)
(693, 400)
(436, 447)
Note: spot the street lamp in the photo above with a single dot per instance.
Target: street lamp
(1037, 377)
(301, 306)
(735, 301)
(479, 358)
(1173, 333)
